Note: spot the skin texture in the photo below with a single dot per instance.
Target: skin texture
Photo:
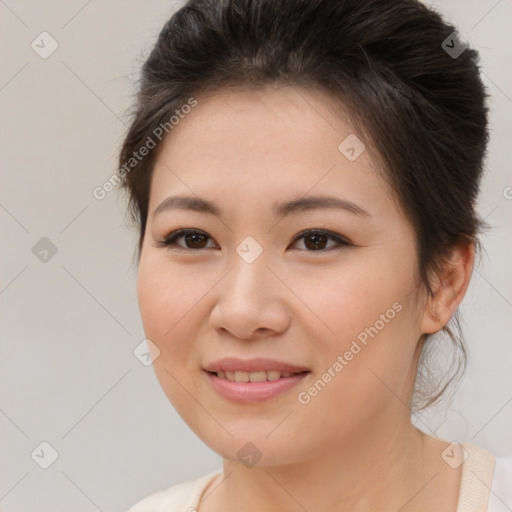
(352, 447)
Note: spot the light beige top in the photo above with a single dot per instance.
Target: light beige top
(477, 490)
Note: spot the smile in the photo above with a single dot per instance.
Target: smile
(260, 376)
(253, 387)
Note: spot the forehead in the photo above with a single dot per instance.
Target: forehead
(277, 141)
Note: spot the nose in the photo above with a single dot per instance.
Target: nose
(251, 301)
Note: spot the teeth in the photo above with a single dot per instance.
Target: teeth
(273, 375)
(242, 376)
(260, 376)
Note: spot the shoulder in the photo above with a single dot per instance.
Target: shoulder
(179, 497)
(500, 498)
(486, 481)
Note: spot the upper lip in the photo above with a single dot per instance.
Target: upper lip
(258, 364)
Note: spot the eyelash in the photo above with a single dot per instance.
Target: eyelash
(169, 241)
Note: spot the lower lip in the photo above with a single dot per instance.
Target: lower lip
(254, 392)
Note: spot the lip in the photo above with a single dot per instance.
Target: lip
(254, 392)
(258, 364)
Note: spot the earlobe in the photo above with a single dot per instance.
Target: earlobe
(448, 288)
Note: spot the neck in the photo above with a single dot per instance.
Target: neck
(383, 468)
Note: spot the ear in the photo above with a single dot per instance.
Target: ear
(448, 288)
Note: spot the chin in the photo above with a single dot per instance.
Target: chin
(251, 446)
(257, 452)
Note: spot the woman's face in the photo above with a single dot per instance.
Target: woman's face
(251, 284)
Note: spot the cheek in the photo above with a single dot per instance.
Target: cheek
(364, 375)
(367, 334)
(166, 306)
(153, 302)
(343, 304)
(166, 313)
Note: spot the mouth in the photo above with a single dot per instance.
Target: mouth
(257, 376)
(242, 387)
(249, 381)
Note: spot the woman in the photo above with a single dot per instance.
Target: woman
(304, 177)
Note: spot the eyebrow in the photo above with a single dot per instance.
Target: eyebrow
(281, 209)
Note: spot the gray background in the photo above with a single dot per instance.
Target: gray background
(68, 375)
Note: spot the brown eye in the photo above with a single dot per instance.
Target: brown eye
(314, 240)
(317, 240)
(193, 238)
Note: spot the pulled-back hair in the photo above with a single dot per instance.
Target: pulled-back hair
(410, 87)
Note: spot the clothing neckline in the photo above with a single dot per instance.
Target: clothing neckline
(476, 479)
(204, 483)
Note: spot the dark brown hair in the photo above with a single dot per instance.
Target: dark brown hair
(396, 66)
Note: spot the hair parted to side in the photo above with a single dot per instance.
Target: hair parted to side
(421, 109)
